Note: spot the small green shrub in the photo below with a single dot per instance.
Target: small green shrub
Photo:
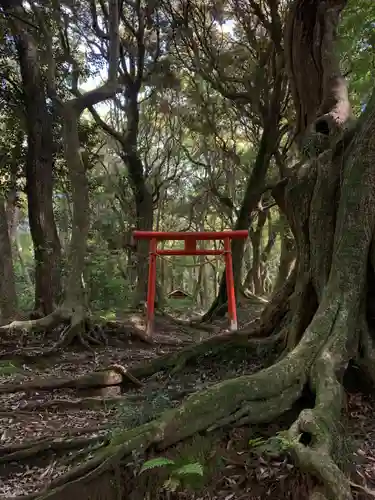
(179, 475)
(274, 446)
(8, 368)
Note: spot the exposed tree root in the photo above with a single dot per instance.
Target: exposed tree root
(28, 450)
(316, 432)
(319, 360)
(122, 326)
(194, 324)
(73, 317)
(254, 338)
(256, 398)
(370, 493)
(126, 375)
(78, 326)
(89, 403)
(259, 412)
(113, 375)
(176, 361)
(88, 470)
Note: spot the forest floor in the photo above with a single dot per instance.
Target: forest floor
(45, 432)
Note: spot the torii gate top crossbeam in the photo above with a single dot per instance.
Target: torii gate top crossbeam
(190, 239)
(184, 235)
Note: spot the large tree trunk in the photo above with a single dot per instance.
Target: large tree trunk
(39, 177)
(8, 295)
(144, 222)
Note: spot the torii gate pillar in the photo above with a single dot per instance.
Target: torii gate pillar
(190, 248)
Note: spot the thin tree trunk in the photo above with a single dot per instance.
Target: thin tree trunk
(256, 238)
(252, 196)
(204, 286)
(8, 294)
(144, 221)
(287, 256)
(13, 214)
(25, 271)
(263, 260)
(197, 286)
(74, 295)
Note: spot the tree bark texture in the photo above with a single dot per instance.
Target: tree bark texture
(287, 255)
(142, 193)
(8, 294)
(39, 175)
(144, 221)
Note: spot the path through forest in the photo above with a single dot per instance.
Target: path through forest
(44, 433)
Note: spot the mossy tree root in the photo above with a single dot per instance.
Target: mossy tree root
(176, 361)
(34, 448)
(316, 434)
(256, 398)
(169, 430)
(73, 317)
(104, 377)
(78, 325)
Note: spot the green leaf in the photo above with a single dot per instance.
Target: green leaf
(254, 443)
(171, 484)
(156, 462)
(189, 469)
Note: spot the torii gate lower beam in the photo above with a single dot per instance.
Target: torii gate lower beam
(190, 248)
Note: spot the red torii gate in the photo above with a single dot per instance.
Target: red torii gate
(190, 248)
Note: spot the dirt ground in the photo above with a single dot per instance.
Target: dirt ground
(66, 425)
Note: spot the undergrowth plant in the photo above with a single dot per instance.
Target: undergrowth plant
(179, 475)
(8, 368)
(274, 446)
